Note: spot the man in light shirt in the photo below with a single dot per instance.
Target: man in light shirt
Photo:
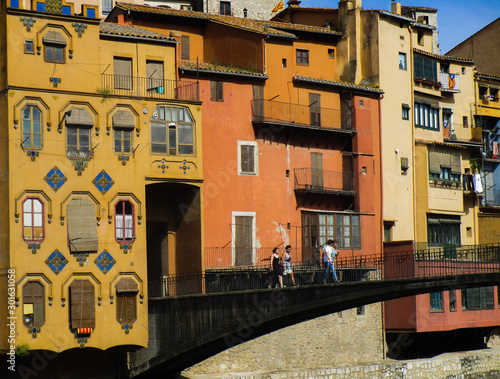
(328, 259)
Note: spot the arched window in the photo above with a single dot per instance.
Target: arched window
(78, 142)
(82, 305)
(32, 129)
(33, 304)
(124, 221)
(123, 125)
(126, 301)
(33, 220)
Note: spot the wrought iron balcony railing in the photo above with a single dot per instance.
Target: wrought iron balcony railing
(314, 180)
(149, 87)
(300, 115)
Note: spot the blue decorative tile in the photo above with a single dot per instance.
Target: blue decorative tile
(55, 178)
(104, 261)
(103, 182)
(56, 261)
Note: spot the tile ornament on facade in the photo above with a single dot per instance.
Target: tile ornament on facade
(124, 159)
(32, 154)
(33, 331)
(184, 167)
(79, 28)
(34, 247)
(80, 165)
(56, 261)
(81, 258)
(28, 22)
(103, 182)
(127, 248)
(55, 178)
(105, 261)
(55, 81)
(127, 328)
(163, 166)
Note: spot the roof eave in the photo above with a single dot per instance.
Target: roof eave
(225, 73)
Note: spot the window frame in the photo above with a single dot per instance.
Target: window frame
(124, 228)
(250, 218)
(32, 216)
(426, 117)
(87, 305)
(322, 226)
(436, 304)
(241, 161)
(216, 90)
(122, 140)
(26, 44)
(77, 130)
(54, 47)
(165, 130)
(35, 299)
(302, 57)
(331, 53)
(444, 230)
(482, 298)
(403, 65)
(225, 8)
(31, 133)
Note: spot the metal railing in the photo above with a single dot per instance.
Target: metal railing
(149, 87)
(289, 113)
(323, 180)
(425, 261)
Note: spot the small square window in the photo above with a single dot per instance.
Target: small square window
(402, 61)
(360, 311)
(404, 166)
(302, 57)
(225, 8)
(283, 62)
(405, 112)
(331, 53)
(361, 103)
(465, 122)
(248, 158)
(402, 38)
(29, 47)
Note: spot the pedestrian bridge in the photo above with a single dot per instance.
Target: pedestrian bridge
(187, 328)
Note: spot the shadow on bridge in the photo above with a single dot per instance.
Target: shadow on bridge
(186, 329)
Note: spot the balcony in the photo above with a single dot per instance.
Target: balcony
(301, 116)
(309, 180)
(149, 87)
(449, 82)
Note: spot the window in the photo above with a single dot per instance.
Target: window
(185, 51)
(32, 130)
(283, 63)
(425, 68)
(243, 239)
(258, 101)
(405, 112)
(465, 121)
(426, 117)
(82, 226)
(477, 298)
(248, 158)
(216, 91)
(331, 53)
(54, 46)
(315, 108)
(186, 8)
(126, 301)
(124, 221)
(78, 125)
(172, 131)
(404, 166)
(122, 73)
(82, 305)
(33, 220)
(28, 47)
(317, 170)
(452, 294)
(388, 225)
(444, 230)
(123, 124)
(107, 6)
(33, 304)
(420, 38)
(444, 167)
(402, 61)
(302, 57)
(360, 311)
(436, 301)
(154, 73)
(317, 228)
(225, 8)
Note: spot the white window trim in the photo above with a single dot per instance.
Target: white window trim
(233, 234)
(255, 158)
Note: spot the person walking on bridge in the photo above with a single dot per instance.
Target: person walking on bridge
(287, 258)
(276, 268)
(328, 262)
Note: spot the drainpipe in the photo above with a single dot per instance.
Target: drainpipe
(264, 53)
(410, 29)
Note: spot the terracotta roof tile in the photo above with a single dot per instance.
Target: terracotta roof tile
(220, 69)
(338, 83)
(300, 27)
(443, 57)
(487, 76)
(131, 31)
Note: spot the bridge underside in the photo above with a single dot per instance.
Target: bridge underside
(184, 330)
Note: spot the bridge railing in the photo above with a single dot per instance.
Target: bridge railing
(423, 262)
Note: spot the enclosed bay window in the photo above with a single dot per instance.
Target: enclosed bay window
(318, 227)
(477, 298)
(172, 131)
(426, 116)
(425, 68)
(124, 221)
(444, 167)
(444, 230)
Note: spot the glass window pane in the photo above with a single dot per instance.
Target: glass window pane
(118, 146)
(185, 134)
(181, 114)
(355, 220)
(187, 116)
(36, 114)
(27, 205)
(126, 146)
(37, 219)
(162, 113)
(59, 54)
(37, 141)
(155, 148)
(330, 219)
(174, 114)
(27, 221)
(330, 231)
(322, 230)
(26, 113)
(172, 140)
(49, 53)
(27, 127)
(158, 133)
(37, 206)
(347, 220)
(186, 149)
(322, 219)
(36, 127)
(119, 221)
(128, 221)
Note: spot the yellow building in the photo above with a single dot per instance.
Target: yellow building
(101, 161)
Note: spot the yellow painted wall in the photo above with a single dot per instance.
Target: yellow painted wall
(80, 79)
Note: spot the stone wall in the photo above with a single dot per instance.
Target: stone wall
(340, 338)
(256, 9)
(477, 364)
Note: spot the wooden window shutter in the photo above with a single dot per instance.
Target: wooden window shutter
(82, 226)
(247, 158)
(122, 72)
(33, 294)
(243, 240)
(317, 170)
(154, 74)
(315, 108)
(126, 307)
(185, 47)
(82, 307)
(258, 101)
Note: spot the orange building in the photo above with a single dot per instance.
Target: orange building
(291, 155)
